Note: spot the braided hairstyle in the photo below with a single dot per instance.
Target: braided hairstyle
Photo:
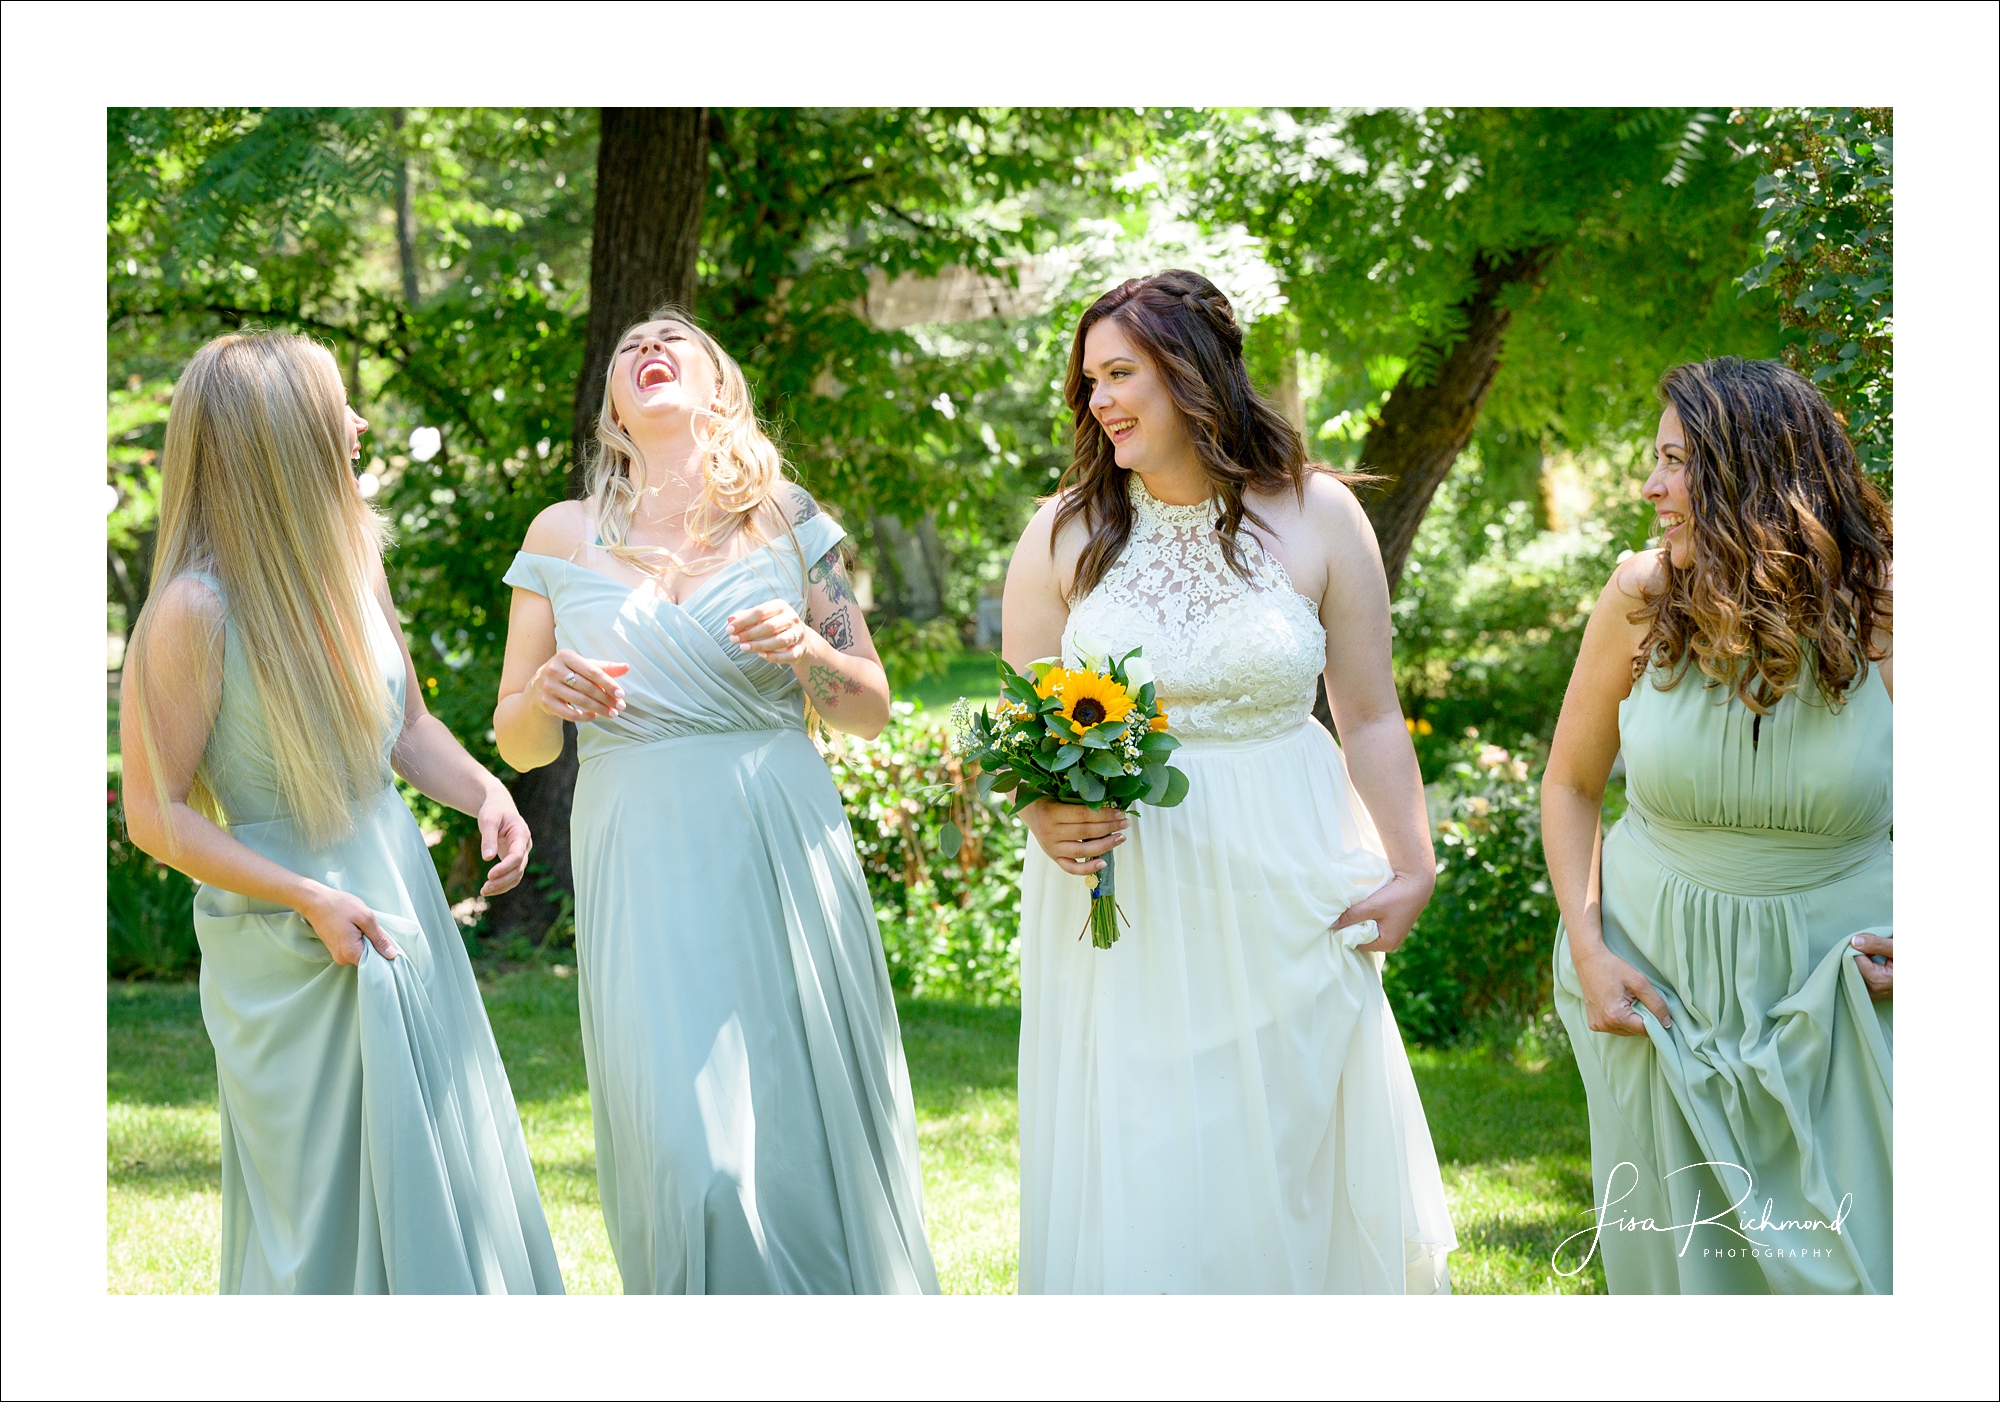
(1185, 326)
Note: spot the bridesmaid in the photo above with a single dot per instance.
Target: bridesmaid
(1724, 965)
(369, 1139)
(755, 1131)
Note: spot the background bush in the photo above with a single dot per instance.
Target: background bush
(950, 928)
(149, 925)
(1476, 968)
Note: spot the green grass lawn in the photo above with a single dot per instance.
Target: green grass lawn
(970, 675)
(1513, 1144)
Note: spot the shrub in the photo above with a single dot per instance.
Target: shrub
(950, 927)
(149, 916)
(1476, 967)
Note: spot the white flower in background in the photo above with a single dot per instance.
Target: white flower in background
(110, 498)
(424, 443)
(369, 484)
(1138, 672)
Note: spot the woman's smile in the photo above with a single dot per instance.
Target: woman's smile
(1120, 429)
(657, 372)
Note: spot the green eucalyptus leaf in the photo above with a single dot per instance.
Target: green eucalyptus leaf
(1177, 789)
(1105, 763)
(950, 839)
(1067, 755)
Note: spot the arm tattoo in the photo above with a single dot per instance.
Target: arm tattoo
(838, 629)
(828, 686)
(808, 508)
(828, 575)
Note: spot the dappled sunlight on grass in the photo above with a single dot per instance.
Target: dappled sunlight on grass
(1513, 1144)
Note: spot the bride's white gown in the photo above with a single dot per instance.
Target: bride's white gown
(1221, 1102)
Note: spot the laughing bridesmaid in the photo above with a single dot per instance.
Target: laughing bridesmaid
(755, 1130)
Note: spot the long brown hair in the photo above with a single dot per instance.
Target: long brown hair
(1792, 545)
(1187, 329)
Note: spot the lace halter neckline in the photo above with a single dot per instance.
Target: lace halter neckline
(1152, 511)
(1234, 654)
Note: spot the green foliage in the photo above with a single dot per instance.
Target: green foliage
(1477, 964)
(1493, 603)
(1828, 220)
(950, 925)
(913, 653)
(149, 919)
(1375, 221)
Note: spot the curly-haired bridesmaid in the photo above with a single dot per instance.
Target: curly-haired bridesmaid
(1725, 961)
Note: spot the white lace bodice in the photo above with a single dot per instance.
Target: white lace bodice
(1233, 659)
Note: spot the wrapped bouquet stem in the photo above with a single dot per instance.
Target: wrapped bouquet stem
(1092, 735)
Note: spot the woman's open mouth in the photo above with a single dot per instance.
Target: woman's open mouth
(1670, 521)
(1121, 429)
(657, 371)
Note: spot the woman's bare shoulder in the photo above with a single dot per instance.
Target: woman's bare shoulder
(1637, 574)
(560, 530)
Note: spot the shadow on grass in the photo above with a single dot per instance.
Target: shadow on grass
(157, 1049)
(956, 1052)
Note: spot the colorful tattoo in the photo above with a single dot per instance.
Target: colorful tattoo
(828, 575)
(838, 629)
(828, 686)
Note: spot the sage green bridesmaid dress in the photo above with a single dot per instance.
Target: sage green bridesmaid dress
(1746, 1149)
(370, 1143)
(755, 1128)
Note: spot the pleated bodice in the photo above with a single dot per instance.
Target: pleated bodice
(1757, 805)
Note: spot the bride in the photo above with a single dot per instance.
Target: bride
(1220, 1102)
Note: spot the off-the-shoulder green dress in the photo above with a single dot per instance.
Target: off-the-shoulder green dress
(1746, 1149)
(755, 1129)
(370, 1143)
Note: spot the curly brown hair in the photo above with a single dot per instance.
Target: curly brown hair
(1792, 545)
(1186, 327)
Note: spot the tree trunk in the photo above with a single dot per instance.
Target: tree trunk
(1424, 428)
(652, 170)
(910, 568)
(406, 220)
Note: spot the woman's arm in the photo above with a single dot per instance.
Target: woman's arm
(1586, 743)
(429, 756)
(1033, 612)
(541, 685)
(829, 650)
(1361, 692)
(184, 654)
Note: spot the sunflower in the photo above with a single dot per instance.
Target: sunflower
(1090, 699)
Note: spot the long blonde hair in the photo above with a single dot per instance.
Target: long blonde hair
(741, 468)
(256, 491)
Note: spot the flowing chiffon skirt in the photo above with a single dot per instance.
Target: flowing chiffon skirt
(370, 1143)
(1221, 1102)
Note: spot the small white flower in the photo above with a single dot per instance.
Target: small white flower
(424, 443)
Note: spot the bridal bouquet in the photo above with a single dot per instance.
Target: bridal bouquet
(1092, 735)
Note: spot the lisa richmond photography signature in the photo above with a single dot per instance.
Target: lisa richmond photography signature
(1731, 1217)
